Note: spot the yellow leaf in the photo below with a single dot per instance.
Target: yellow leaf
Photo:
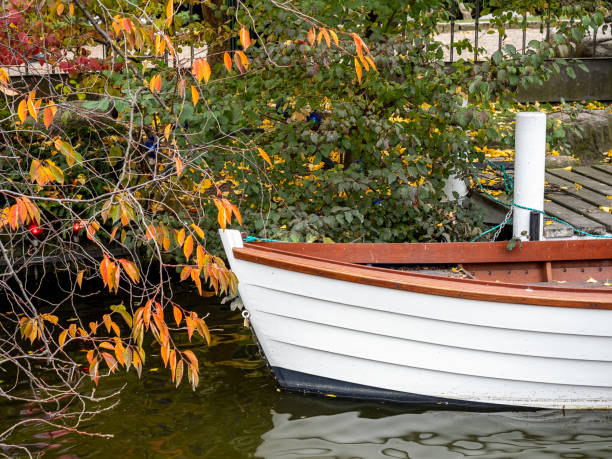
(227, 60)
(195, 95)
(71, 9)
(264, 155)
(32, 109)
(203, 330)
(107, 345)
(22, 111)
(188, 247)
(245, 38)
(60, 9)
(62, 338)
(167, 131)
(358, 70)
(334, 37)
(4, 76)
(198, 230)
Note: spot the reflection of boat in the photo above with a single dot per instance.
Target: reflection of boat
(439, 435)
(527, 327)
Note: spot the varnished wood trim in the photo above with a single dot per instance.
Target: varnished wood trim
(453, 253)
(548, 271)
(428, 284)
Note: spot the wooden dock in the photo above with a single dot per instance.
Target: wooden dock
(579, 195)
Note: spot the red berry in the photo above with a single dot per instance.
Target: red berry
(36, 230)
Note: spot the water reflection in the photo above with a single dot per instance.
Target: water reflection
(440, 435)
(238, 412)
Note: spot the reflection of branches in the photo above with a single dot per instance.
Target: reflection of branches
(115, 188)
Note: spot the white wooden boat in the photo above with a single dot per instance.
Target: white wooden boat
(527, 327)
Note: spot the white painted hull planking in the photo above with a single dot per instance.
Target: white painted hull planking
(438, 347)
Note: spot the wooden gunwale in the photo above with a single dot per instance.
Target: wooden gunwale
(450, 253)
(275, 256)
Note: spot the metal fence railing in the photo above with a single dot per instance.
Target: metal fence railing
(519, 33)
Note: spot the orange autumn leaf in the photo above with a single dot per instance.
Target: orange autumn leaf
(188, 247)
(155, 83)
(358, 70)
(206, 71)
(264, 155)
(169, 12)
(227, 60)
(311, 36)
(325, 36)
(195, 95)
(48, 114)
(179, 165)
(79, 278)
(131, 269)
(185, 272)
(371, 62)
(178, 315)
(221, 217)
(243, 59)
(200, 255)
(245, 38)
(180, 237)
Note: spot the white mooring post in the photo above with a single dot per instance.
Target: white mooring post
(529, 164)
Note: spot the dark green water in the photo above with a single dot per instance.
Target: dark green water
(238, 412)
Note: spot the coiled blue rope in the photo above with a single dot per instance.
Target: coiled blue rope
(508, 204)
(259, 239)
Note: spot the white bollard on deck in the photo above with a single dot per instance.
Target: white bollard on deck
(529, 170)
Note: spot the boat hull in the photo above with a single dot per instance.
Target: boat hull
(424, 347)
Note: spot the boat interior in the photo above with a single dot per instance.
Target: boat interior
(570, 263)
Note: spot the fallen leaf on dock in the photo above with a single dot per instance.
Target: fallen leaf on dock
(590, 280)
